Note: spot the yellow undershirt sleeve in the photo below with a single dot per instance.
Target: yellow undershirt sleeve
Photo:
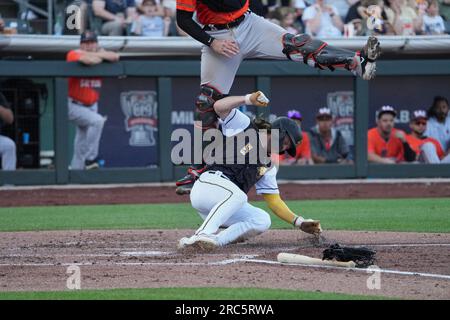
(279, 207)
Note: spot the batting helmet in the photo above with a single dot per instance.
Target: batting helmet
(288, 127)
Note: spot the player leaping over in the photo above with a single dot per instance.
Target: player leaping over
(231, 33)
(220, 193)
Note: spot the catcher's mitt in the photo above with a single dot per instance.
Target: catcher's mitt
(361, 256)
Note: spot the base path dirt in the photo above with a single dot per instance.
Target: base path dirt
(419, 263)
(290, 191)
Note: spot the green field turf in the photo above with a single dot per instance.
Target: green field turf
(182, 294)
(415, 215)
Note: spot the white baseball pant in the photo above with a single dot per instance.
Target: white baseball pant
(8, 153)
(256, 37)
(89, 127)
(220, 203)
(428, 154)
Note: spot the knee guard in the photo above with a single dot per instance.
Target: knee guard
(316, 53)
(204, 107)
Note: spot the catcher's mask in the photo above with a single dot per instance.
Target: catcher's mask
(290, 128)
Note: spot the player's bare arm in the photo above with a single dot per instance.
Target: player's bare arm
(93, 58)
(110, 56)
(6, 115)
(224, 106)
(318, 159)
(89, 58)
(372, 157)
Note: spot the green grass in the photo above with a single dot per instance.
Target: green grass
(182, 294)
(415, 215)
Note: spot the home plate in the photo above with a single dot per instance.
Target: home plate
(144, 253)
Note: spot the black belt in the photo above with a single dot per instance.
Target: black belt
(220, 175)
(229, 25)
(80, 103)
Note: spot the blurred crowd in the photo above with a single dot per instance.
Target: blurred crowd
(427, 140)
(320, 18)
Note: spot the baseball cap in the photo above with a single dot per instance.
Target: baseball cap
(294, 114)
(87, 36)
(419, 114)
(324, 113)
(386, 109)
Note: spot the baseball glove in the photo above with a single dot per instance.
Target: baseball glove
(311, 226)
(361, 256)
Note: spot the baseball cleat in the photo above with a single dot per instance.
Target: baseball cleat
(185, 242)
(200, 242)
(92, 164)
(368, 56)
(206, 242)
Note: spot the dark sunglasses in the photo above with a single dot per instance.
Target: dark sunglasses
(421, 123)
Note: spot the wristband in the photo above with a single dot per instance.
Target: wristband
(298, 221)
(247, 99)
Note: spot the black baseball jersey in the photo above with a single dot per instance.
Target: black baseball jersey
(243, 159)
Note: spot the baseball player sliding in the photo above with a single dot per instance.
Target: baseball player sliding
(231, 33)
(220, 193)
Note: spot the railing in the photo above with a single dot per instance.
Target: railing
(165, 71)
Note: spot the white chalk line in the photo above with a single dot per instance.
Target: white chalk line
(409, 245)
(245, 259)
(242, 258)
(420, 274)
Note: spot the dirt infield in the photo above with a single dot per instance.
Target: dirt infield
(413, 265)
(290, 191)
(146, 259)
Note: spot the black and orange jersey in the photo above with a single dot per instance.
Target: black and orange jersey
(207, 16)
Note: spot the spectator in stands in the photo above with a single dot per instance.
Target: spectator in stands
(404, 19)
(322, 20)
(2, 25)
(385, 144)
(170, 9)
(299, 6)
(287, 20)
(432, 21)
(303, 154)
(116, 15)
(369, 18)
(327, 143)
(342, 6)
(427, 149)
(151, 23)
(83, 103)
(444, 9)
(7, 146)
(439, 122)
(353, 12)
